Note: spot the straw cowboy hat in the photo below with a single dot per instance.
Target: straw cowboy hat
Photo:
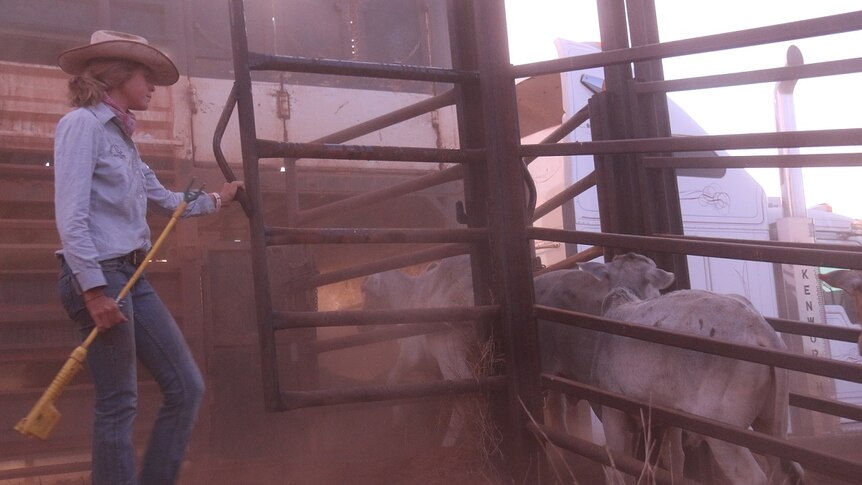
(107, 44)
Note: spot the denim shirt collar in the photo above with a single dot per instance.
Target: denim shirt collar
(102, 112)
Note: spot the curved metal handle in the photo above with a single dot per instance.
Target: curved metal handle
(226, 113)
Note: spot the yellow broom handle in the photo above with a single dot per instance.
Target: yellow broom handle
(126, 289)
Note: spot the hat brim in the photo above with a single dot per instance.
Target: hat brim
(164, 72)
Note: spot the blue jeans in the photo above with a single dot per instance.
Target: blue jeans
(151, 335)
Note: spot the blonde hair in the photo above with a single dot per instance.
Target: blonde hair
(98, 77)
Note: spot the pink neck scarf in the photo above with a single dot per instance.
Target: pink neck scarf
(125, 119)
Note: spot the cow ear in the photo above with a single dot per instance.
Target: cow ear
(844, 279)
(599, 270)
(661, 278)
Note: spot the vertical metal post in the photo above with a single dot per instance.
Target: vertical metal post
(510, 250)
(662, 211)
(251, 175)
(619, 192)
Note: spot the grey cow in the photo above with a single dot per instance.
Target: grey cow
(731, 391)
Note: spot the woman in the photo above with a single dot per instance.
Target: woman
(102, 193)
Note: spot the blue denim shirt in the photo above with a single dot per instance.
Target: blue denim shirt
(101, 192)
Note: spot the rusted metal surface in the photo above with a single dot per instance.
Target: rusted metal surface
(757, 161)
(502, 150)
(446, 98)
(564, 129)
(572, 261)
(828, 406)
(251, 177)
(264, 62)
(287, 320)
(574, 190)
(379, 335)
(365, 199)
(34, 100)
(285, 235)
(302, 399)
(814, 138)
(230, 104)
(385, 264)
(750, 250)
(274, 149)
(511, 258)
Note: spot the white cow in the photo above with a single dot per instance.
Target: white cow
(569, 351)
(735, 392)
(851, 282)
(446, 283)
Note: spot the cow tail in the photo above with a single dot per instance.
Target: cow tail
(773, 421)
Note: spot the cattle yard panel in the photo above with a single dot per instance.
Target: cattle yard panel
(489, 150)
(649, 152)
(631, 150)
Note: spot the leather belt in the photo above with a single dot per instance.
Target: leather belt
(136, 257)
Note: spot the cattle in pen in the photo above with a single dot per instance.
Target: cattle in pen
(735, 392)
(445, 283)
(851, 282)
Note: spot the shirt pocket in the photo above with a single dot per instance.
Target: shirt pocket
(113, 179)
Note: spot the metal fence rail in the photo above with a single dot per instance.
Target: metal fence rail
(758, 442)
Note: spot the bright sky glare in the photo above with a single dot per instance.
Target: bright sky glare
(821, 103)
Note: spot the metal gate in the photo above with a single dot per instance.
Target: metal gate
(495, 234)
(639, 202)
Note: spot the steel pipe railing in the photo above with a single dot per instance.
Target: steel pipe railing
(291, 400)
(392, 332)
(337, 67)
(800, 253)
(729, 40)
(564, 129)
(276, 149)
(385, 264)
(364, 200)
(585, 183)
(789, 73)
(744, 141)
(757, 161)
(752, 353)
(827, 406)
(768, 243)
(588, 254)
(818, 330)
(276, 236)
(419, 108)
(295, 319)
(757, 442)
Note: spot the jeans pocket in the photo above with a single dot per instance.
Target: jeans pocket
(71, 295)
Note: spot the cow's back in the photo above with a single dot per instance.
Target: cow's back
(708, 385)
